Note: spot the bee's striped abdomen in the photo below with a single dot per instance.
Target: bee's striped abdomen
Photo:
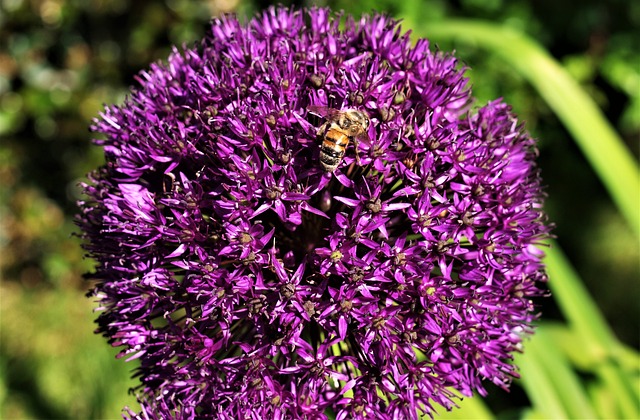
(334, 145)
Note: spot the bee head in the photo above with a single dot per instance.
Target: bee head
(355, 120)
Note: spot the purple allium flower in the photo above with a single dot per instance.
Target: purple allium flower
(251, 283)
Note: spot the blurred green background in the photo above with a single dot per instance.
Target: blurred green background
(60, 61)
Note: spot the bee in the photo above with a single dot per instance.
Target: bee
(340, 128)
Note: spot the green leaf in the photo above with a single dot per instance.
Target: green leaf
(538, 384)
(597, 341)
(559, 374)
(603, 400)
(469, 408)
(599, 142)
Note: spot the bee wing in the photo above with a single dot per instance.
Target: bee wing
(363, 137)
(324, 111)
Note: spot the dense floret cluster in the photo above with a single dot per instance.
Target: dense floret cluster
(251, 283)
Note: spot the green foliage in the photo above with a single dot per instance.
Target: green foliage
(52, 365)
(60, 61)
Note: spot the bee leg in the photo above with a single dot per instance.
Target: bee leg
(355, 145)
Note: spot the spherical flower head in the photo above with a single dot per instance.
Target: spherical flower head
(252, 282)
